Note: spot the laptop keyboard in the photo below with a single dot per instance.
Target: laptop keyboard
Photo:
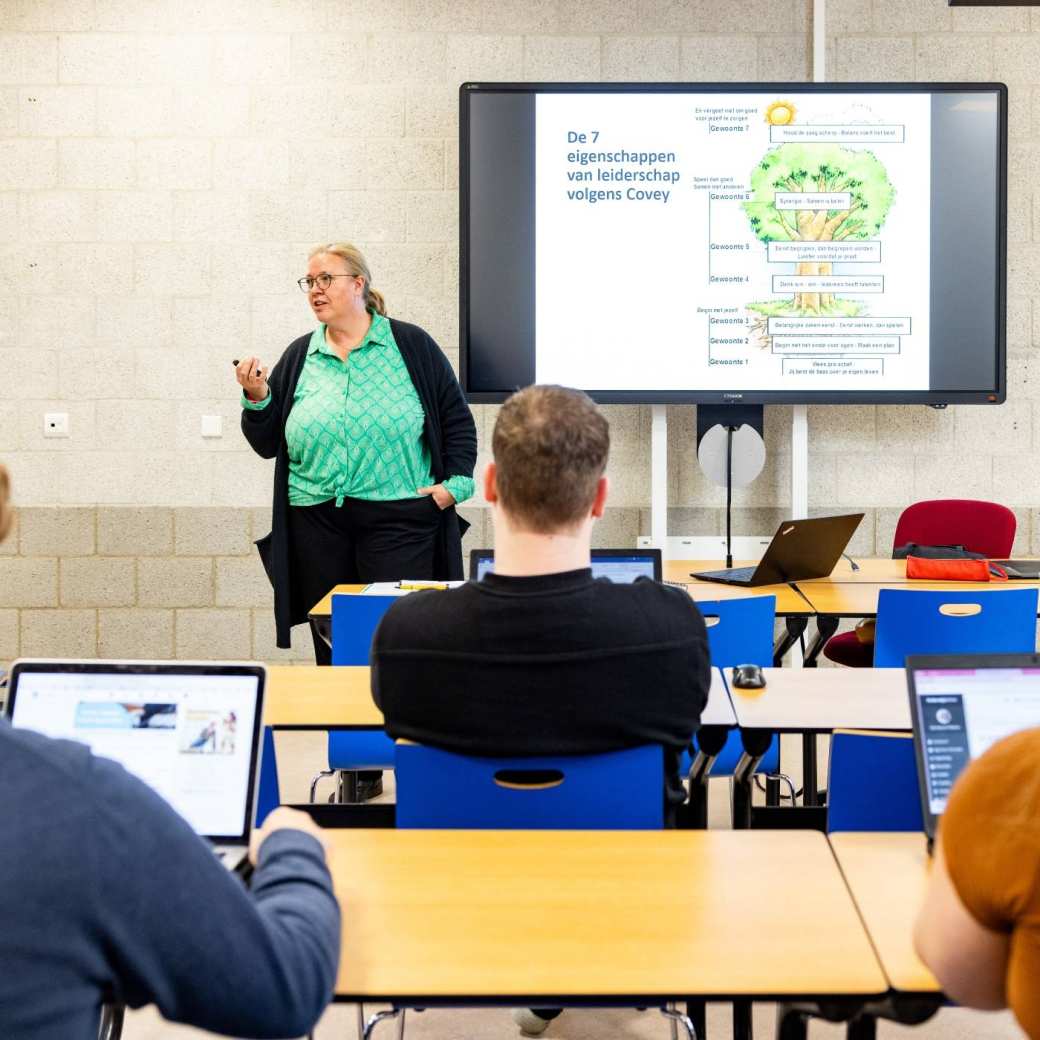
(734, 573)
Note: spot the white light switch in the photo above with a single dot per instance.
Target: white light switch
(56, 424)
(212, 426)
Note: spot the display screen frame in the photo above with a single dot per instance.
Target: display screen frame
(994, 394)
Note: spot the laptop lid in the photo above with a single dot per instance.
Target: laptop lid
(960, 704)
(191, 731)
(803, 549)
(621, 566)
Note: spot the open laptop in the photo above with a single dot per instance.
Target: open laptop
(960, 704)
(1020, 570)
(191, 731)
(621, 566)
(800, 549)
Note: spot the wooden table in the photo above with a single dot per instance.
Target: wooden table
(309, 697)
(860, 599)
(554, 918)
(887, 875)
(788, 601)
(340, 697)
(819, 700)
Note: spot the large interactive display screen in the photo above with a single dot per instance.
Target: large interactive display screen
(758, 243)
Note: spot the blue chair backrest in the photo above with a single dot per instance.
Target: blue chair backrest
(873, 783)
(740, 631)
(911, 622)
(616, 790)
(354, 622)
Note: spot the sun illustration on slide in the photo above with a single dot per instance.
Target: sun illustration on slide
(780, 113)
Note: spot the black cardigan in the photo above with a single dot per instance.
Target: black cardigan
(451, 436)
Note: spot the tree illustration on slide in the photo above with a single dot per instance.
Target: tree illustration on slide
(827, 168)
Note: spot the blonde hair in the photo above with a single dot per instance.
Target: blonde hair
(357, 266)
(6, 511)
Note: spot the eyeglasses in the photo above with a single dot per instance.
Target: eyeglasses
(322, 281)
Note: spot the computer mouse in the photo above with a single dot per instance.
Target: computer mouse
(748, 677)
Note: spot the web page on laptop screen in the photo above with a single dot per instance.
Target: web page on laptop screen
(621, 570)
(187, 736)
(965, 710)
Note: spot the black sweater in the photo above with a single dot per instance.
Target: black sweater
(558, 664)
(450, 435)
(106, 894)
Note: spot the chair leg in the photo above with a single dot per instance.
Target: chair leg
(360, 1021)
(400, 1025)
(677, 1018)
(376, 1019)
(314, 783)
(111, 1026)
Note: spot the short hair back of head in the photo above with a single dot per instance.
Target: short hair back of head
(550, 446)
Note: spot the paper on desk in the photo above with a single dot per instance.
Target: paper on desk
(390, 588)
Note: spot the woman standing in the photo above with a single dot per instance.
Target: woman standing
(373, 441)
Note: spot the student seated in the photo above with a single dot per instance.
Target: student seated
(539, 658)
(979, 928)
(108, 896)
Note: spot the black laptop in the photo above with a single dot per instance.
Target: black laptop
(960, 704)
(800, 549)
(621, 566)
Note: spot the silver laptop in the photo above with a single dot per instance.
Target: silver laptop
(191, 731)
(960, 705)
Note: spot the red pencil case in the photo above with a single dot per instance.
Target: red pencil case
(954, 570)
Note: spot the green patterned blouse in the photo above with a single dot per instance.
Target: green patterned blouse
(356, 427)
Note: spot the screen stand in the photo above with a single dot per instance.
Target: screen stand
(659, 479)
(799, 462)
(720, 429)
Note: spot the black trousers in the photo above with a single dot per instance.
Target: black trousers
(358, 541)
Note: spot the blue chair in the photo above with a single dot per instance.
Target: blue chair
(267, 793)
(915, 622)
(616, 790)
(872, 783)
(354, 622)
(740, 631)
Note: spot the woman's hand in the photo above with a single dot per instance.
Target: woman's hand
(252, 378)
(440, 494)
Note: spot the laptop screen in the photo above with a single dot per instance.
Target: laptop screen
(620, 568)
(191, 737)
(960, 712)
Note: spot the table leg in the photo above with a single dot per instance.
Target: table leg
(742, 1027)
(810, 794)
(862, 1027)
(791, 1023)
(697, 1013)
(756, 743)
(795, 626)
(710, 742)
(826, 626)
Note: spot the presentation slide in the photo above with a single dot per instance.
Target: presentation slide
(188, 737)
(733, 241)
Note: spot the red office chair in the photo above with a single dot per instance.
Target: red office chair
(982, 527)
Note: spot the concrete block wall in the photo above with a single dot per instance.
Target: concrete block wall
(164, 169)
